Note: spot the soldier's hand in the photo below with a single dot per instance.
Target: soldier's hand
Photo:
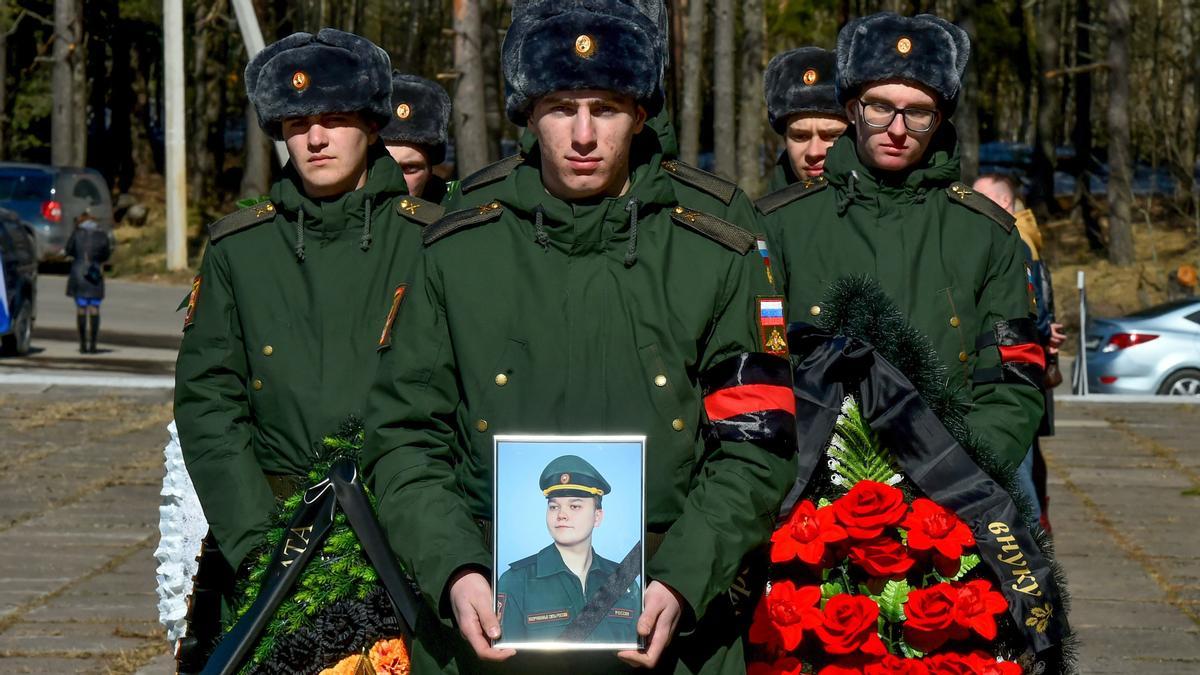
(471, 600)
(659, 620)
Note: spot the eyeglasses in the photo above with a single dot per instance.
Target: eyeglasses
(881, 115)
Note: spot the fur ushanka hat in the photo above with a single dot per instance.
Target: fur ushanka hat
(924, 49)
(558, 45)
(333, 71)
(420, 115)
(801, 81)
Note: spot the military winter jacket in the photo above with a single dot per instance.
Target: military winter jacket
(280, 339)
(948, 257)
(632, 315)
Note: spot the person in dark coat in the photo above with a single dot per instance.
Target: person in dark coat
(89, 248)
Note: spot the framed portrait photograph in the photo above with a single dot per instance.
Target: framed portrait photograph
(568, 516)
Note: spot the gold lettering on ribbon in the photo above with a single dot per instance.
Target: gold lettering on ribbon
(1023, 579)
(301, 534)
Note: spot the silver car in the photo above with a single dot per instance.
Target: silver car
(1154, 351)
(50, 197)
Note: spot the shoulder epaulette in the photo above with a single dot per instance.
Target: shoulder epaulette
(723, 232)
(460, 220)
(784, 196)
(240, 220)
(959, 193)
(701, 179)
(491, 173)
(524, 562)
(415, 208)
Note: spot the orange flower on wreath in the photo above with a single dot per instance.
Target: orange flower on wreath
(390, 657)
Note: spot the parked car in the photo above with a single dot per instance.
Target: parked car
(50, 197)
(18, 252)
(1154, 351)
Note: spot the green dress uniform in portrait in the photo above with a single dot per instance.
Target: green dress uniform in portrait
(539, 596)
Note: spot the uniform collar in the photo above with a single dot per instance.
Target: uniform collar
(550, 562)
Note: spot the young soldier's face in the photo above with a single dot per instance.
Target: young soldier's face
(585, 138)
(329, 151)
(808, 139)
(572, 519)
(895, 147)
(414, 163)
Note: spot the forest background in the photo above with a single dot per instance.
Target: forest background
(1095, 104)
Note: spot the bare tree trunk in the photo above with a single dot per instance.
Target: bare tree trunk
(690, 111)
(490, 16)
(470, 108)
(751, 114)
(724, 90)
(674, 79)
(966, 118)
(79, 90)
(256, 176)
(1120, 162)
(5, 17)
(1049, 103)
(1081, 136)
(62, 127)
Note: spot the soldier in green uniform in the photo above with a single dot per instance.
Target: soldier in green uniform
(580, 297)
(539, 596)
(802, 107)
(694, 188)
(892, 207)
(296, 293)
(415, 135)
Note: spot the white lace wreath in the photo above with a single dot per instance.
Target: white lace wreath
(182, 528)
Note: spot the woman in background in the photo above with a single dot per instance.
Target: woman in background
(89, 248)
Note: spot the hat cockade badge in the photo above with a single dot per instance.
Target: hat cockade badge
(585, 46)
(403, 111)
(300, 80)
(810, 77)
(904, 46)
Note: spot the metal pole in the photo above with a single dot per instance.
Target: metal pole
(1083, 374)
(252, 37)
(176, 157)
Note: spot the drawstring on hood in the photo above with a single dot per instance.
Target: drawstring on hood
(845, 198)
(300, 236)
(631, 253)
(539, 229)
(365, 242)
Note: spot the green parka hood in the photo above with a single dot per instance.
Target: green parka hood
(345, 215)
(854, 181)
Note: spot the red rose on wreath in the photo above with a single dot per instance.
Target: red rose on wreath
(806, 534)
(937, 529)
(882, 557)
(782, 617)
(977, 607)
(849, 626)
(949, 664)
(868, 508)
(896, 665)
(788, 665)
(930, 617)
(986, 664)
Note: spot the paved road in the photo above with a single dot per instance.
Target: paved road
(80, 471)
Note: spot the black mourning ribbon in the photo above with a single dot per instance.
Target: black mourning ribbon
(307, 531)
(596, 609)
(825, 367)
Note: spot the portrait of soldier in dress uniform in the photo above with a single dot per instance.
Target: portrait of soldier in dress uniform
(567, 594)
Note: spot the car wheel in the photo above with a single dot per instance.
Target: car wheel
(18, 342)
(1185, 382)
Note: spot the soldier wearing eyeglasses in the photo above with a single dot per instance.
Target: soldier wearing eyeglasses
(892, 207)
